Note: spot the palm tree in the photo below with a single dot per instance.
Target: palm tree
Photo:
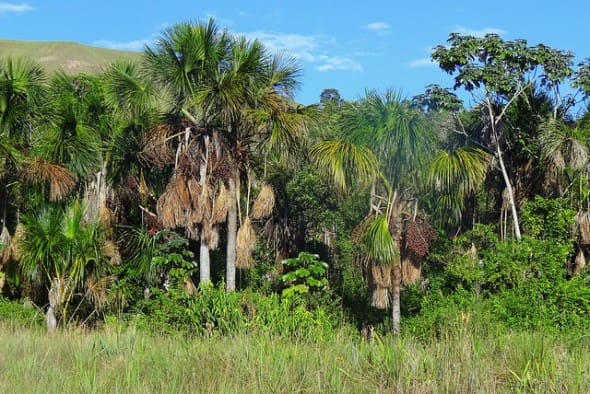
(65, 252)
(21, 94)
(233, 97)
(383, 142)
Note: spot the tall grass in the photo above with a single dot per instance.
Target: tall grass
(120, 359)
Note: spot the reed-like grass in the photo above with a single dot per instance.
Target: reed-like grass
(126, 360)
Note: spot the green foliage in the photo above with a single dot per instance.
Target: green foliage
(306, 272)
(548, 218)
(213, 311)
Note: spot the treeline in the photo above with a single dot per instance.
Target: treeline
(192, 190)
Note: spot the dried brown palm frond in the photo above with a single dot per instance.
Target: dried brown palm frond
(192, 232)
(264, 203)
(142, 186)
(245, 244)
(579, 262)
(381, 275)
(60, 180)
(205, 204)
(111, 250)
(169, 210)
(5, 241)
(16, 241)
(182, 191)
(107, 217)
(583, 222)
(194, 190)
(189, 286)
(97, 290)
(411, 269)
(156, 148)
(213, 238)
(578, 154)
(380, 298)
(195, 216)
(221, 206)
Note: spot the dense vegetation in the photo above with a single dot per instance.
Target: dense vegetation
(189, 193)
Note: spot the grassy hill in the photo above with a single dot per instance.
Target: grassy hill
(70, 57)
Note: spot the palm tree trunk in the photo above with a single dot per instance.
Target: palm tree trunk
(204, 259)
(395, 298)
(232, 232)
(204, 262)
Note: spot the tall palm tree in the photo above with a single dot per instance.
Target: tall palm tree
(383, 142)
(233, 97)
(21, 94)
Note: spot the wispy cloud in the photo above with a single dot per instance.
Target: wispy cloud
(378, 27)
(330, 63)
(136, 45)
(422, 62)
(15, 8)
(478, 32)
(302, 47)
(316, 50)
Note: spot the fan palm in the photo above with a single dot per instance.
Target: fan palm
(235, 97)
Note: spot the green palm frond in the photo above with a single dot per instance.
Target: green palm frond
(462, 170)
(345, 162)
(380, 245)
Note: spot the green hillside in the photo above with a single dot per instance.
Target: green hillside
(70, 57)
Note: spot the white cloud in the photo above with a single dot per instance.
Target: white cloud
(478, 33)
(330, 63)
(378, 27)
(136, 45)
(314, 49)
(12, 7)
(300, 46)
(423, 62)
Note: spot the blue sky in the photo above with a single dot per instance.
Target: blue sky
(350, 46)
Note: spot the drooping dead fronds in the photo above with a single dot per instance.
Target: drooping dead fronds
(189, 286)
(213, 238)
(380, 298)
(111, 251)
(182, 191)
(579, 263)
(156, 148)
(97, 290)
(194, 190)
(107, 217)
(5, 241)
(381, 275)
(59, 179)
(205, 204)
(583, 222)
(264, 203)
(245, 244)
(169, 209)
(220, 206)
(411, 269)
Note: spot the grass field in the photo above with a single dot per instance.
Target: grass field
(70, 57)
(120, 359)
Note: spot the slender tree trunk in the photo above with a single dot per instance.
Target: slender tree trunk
(510, 193)
(204, 262)
(395, 298)
(232, 232)
(204, 259)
